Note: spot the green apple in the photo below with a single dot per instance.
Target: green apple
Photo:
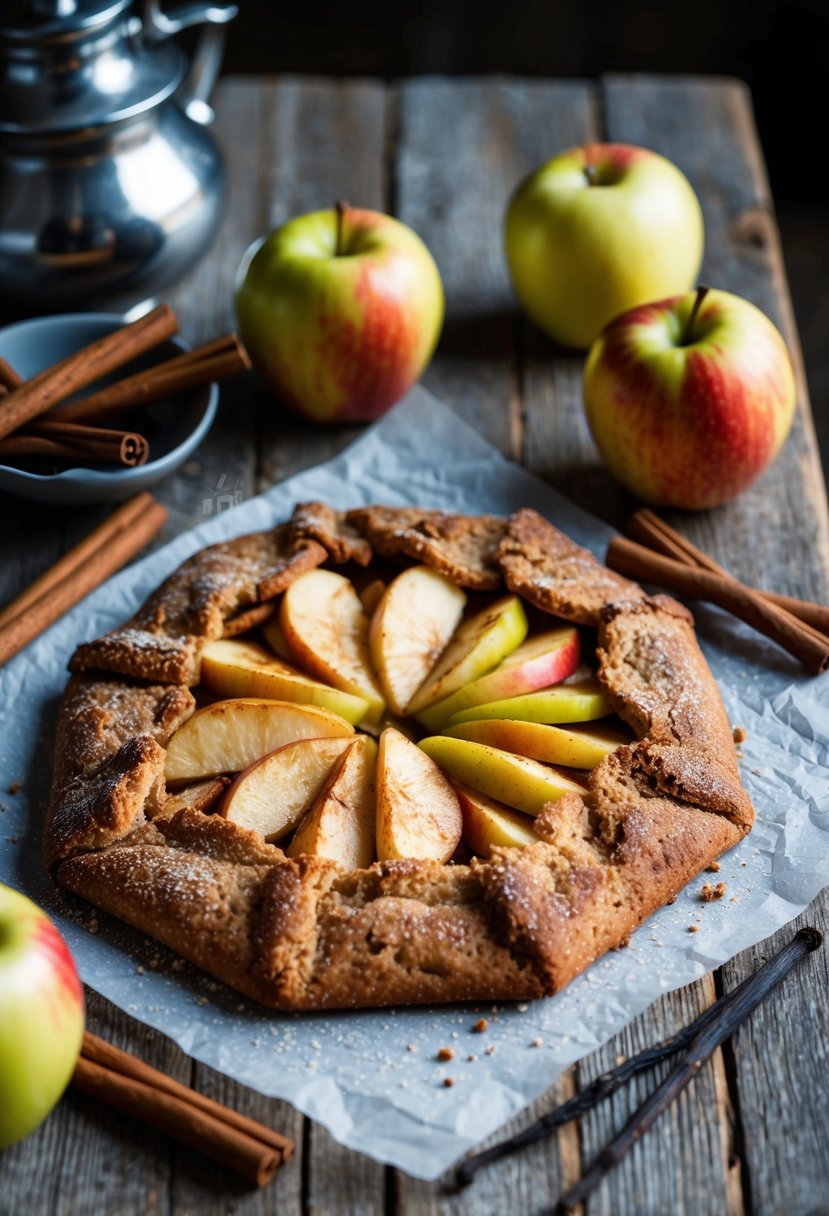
(487, 823)
(539, 662)
(689, 398)
(479, 644)
(565, 703)
(341, 311)
(523, 784)
(596, 231)
(41, 1016)
(577, 748)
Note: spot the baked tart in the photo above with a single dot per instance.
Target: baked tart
(393, 756)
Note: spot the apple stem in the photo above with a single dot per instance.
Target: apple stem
(590, 174)
(687, 334)
(341, 207)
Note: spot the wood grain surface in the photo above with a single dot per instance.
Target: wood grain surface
(751, 1135)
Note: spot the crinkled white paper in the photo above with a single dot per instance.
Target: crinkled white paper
(372, 1078)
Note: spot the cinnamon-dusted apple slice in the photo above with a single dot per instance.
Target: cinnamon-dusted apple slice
(245, 669)
(276, 638)
(477, 646)
(487, 823)
(521, 783)
(418, 813)
(413, 622)
(227, 736)
(273, 794)
(326, 629)
(340, 823)
(202, 796)
(565, 703)
(580, 747)
(539, 662)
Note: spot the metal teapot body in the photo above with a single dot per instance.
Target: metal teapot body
(110, 185)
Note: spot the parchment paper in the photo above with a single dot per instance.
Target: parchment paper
(372, 1078)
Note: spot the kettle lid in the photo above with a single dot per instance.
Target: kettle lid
(70, 65)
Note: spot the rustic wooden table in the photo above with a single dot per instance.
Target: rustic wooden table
(752, 1133)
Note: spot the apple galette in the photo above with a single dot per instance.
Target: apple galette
(393, 756)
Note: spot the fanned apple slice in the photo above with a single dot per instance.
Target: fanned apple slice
(487, 823)
(418, 813)
(202, 796)
(478, 645)
(539, 662)
(245, 669)
(273, 794)
(416, 617)
(326, 630)
(576, 748)
(340, 823)
(227, 736)
(565, 703)
(526, 785)
(276, 638)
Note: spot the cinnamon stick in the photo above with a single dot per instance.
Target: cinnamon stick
(9, 378)
(649, 529)
(118, 543)
(78, 443)
(213, 361)
(806, 643)
(244, 1145)
(122, 518)
(54, 384)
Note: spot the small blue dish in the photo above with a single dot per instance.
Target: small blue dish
(176, 427)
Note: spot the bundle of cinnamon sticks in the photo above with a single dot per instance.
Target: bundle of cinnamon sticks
(78, 432)
(656, 553)
(121, 1080)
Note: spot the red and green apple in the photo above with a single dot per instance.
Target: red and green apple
(341, 311)
(690, 398)
(597, 230)
(41, 1016)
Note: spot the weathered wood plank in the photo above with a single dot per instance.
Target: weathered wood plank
(777, 532)
(325, 140)
(452, 174)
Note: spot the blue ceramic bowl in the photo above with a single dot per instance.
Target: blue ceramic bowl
(175, 427)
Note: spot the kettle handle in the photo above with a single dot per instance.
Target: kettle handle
(213, 17)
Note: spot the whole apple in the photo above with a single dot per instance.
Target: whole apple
(597, 230)
(41, 1016)
(341, 311)
(689, 399)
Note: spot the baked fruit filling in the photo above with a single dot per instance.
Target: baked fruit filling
(382, 715)
(392, 756)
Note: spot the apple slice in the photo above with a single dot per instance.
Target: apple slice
(539, 662)
(521, 783)
(371, 595)
(416, 617)
(227, 736)
(276, 638)
(202, 796)
(273, 793)
(577, 748)
(418, 813)
(340, 823)
(326, 630)
(487, 823)
(245, 669)
(564, 703)
(478, 645)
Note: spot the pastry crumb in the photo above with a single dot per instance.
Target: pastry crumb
(693, 928)
(15, 787)
(739, 734)
(448, 1082)
(537, 1043)
(481, 1026)
(710, 893)
(471, 1059)
(714, 868)
(490, 1051)
(445, 1053)
(410, 1047)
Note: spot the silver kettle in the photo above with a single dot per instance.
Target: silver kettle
(110, 185)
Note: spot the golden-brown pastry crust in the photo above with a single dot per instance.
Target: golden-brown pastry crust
(460, 546)
(304, 934)
(329, 528)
